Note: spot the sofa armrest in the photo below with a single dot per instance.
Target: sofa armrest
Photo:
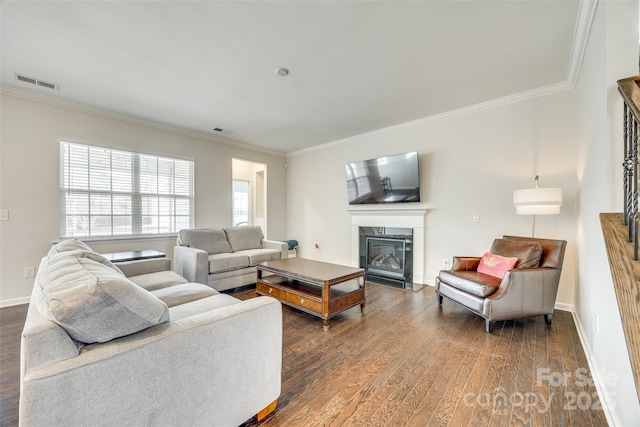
(44, 342)
(144, 266)
(465, 263)
(192, 264)
(524, 292)
(283, 247)
(191, 371)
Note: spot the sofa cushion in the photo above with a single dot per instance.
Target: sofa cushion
(247, 237)
(68, 245)
(257, 256)
(496, 265)
(183, 293)
(552, 251)
(227, 261)
(472, 282)
(204, 305)
(218, 276)
(94, 303)
(77, 248)
(158, 280)
(212, 240)
(527, 252)
(79, 253)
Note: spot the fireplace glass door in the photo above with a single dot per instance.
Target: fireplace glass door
(385, 257)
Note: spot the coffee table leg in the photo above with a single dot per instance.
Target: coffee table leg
(361, 284)
(325, 325)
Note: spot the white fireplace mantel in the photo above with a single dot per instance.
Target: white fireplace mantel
(391, 216)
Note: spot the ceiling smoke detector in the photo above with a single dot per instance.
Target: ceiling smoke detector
(35, 81)
(282, 71)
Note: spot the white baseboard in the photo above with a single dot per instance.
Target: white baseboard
(565, 307)
(598, 381)
(14, 301)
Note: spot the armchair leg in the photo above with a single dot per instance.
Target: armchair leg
(439, 298)
(547, 319)
(489, 325)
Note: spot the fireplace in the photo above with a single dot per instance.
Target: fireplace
(387, 255)
(387, 220)
(390, 218)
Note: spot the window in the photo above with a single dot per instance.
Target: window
(106, 192)
(240, 202)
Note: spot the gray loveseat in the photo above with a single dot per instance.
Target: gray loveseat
(136, 344)
(224, 258)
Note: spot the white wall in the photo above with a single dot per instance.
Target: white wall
(30, 132)
(468, 164)
(612, 54)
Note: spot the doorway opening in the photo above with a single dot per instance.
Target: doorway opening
(249, 191)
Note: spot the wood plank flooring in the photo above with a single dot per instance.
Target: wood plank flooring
(11, 324)
(406, 362)
(410, 362)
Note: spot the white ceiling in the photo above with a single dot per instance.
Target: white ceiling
(355, 66)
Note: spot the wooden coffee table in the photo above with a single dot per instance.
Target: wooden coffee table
(318, 288)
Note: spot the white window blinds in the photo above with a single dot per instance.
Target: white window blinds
(106, 192)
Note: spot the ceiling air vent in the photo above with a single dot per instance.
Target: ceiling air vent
(36, 82)
(227, 131)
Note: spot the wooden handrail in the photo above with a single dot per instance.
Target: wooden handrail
(621, 229)
(630, 90)
(625, 273)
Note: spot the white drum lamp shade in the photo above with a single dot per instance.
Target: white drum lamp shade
(538, 201)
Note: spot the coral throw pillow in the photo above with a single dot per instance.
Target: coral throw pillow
(496, 265)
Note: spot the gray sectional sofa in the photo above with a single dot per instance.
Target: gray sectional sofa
(136, 344)
(224, 258)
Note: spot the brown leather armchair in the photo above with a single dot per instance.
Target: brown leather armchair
(529, 289)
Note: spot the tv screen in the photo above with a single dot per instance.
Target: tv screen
(390, 179)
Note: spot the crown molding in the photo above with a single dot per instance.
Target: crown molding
(511, 99)
(586, 13)
(82, 108)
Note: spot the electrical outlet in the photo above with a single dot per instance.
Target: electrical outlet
(29, 271)
(447, 264)
(4, 215)
(475, 217)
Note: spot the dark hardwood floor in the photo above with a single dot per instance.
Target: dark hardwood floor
(11, 324)
(406, 362)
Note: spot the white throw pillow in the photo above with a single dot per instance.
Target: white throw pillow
(77, 248)
(68, 245)
(93, 302)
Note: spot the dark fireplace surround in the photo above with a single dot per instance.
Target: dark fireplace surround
(386, 253)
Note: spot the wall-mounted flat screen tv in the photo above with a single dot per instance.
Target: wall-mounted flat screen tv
(390, 179)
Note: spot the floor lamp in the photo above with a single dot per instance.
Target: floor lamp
(537, 201)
